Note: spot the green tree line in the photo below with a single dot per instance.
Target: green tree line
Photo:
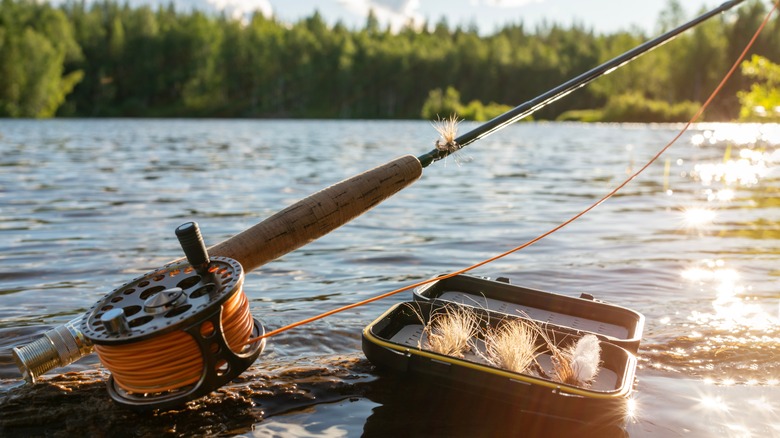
(109, 59)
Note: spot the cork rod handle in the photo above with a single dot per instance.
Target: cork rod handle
(318, 214)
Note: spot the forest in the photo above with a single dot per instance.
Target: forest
(107, 59)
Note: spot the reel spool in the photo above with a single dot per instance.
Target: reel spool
(176, 333)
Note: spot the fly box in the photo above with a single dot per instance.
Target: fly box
(402, 340)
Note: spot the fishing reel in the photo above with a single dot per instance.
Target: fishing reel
(173, 334)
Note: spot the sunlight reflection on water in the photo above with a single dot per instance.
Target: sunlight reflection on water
(733, 309)
(734, 338)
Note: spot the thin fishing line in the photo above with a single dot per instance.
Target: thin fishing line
(652, 160)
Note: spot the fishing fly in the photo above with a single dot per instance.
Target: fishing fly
(578, 364)
(446, 143)
(512, 345)
(450, 331)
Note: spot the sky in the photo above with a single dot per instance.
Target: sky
(488, 15)
(603, 16)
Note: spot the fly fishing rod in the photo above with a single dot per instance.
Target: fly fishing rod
(183, 330)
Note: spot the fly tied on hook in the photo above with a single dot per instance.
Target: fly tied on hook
(448, 131)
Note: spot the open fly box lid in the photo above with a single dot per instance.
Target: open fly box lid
(609, 322)
(398, 341)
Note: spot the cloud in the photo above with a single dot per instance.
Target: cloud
(504, 3)
(396, 13)
(242, 8)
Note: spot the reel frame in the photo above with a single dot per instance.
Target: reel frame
(176, 297)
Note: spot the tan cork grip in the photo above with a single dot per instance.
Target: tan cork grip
(318, 214)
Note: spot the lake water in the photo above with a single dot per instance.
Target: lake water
(693, 244)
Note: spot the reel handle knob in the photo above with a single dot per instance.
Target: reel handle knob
(192, 243)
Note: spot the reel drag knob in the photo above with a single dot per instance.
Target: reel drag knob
(182, 327)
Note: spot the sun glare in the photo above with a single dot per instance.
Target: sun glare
(761, 404)
(743, 134)
(743, 172)
(725, 195)
(713, 403)
(632, 409)
(731, 308)
(698, 217)
(748, 157)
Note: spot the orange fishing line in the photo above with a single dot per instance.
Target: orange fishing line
(173, 360)
(558, 227)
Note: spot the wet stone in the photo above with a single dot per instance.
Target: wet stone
(77, 403)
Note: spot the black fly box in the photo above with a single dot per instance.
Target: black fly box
(400, 341)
